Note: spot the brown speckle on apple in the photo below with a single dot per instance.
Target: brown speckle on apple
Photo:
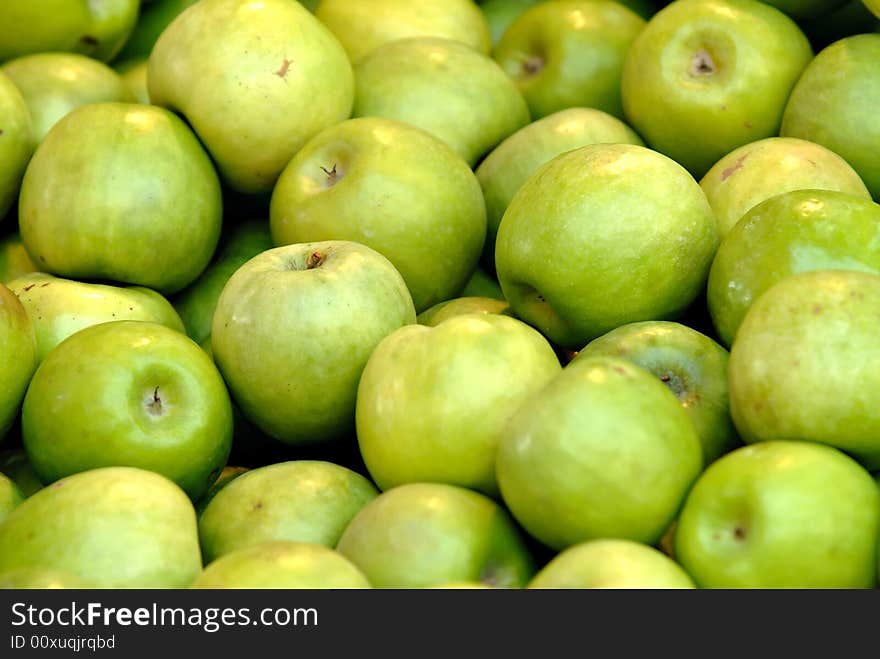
(733, 168)
(89, 40)
(285, 67)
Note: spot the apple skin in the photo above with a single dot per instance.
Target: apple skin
(17, 143)
(18, 354)
(293, 329)
(255, 80)
(793, 232)
(462, 305)
(759, 170)
(612, 246)
(425, 534)
(128, 393)
(85, 524)
(10, 496)
(499, 15)
(707, 76)
(141, 205)
(834, 104)
(53, 84)
(806, 336)
(781, 514)
(59, 307)
(229, 474)
(392, 187)
(14, 259)
(300, 500)
(282, 564)
(134, 76)
(361, 27)
(39, 579)
(611, 563)
(481, 284)
(604, 450)
(691, 364)
(432, 401)
(873, 6)
(569, 54)
(503, 172)
(444, 87)
(96, 29)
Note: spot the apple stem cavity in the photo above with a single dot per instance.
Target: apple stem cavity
(702, 63)
(314, 261)
(532, 65)
(154, 406)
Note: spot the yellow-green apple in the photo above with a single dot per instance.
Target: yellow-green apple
(707, 76)
(255, 80)
(10, 496)
(781, 514)
(834, 104)
(299, 500)
(605, 450)
(460, 306)
(16, 141)
(229, 474)
(611, 563)
(293, 329)
(96, 29)
(18, 354)
(432, 401)
(53, 84)
(425, 534)
(39, 579)
(393, 187)
(792, 232)
(14, 259)
(499, 14)
(691, 364)
(806, 336)
(569, 54)
(128, 393)
(60, 307)
(509, 165)
(196, 303)
(115, 527)
(756, 171)
(152, 20)
(361, 27)
(481, 284)
(140, 204)
(601, 236)
(282, 564)
(874, 6)
(134, 76)
(444, 87)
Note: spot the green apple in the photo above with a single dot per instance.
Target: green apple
(707, 76)
(53, 84)
(18, 354)
(460, 306)
(16, 141)
(392, 187)
(807, 335)
(153, 18)
(123, 192)
(59, 307)
(444, 87)
(14, 259)
(293, 329)
(569, 54)
(10, 496)
(15, 464)
(197, 302)
(425, 534)
(601, 236)
(499, 14)
(134, 76)
(503, 172)
(39, 579)
(229, 474)
(255, 80)
(432, 401)
(792, 232)
(482, 284)
(781, 514)
(115, 527)
(834, 101)
(691, 364)
(461, 585)
(282, 564)
(300, 500)
(361, 27)
(96, 29)
(756, 171)
(611, 563)
(128, 393)
(604, 450)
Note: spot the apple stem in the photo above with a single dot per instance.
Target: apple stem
(315, 259)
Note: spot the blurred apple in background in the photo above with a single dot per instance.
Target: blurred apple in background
(482, 284)
(874, 6)
(17, 143)
(392, 187)
(707, 76)
(781, 514)
(10, 496)
(444, 87)
(255, 80)
(835, 104)
(792, 232)
(153, 18)
(15, 464)
(18, 353)
(499, 14)
(14, 259)
(595, 239)
(134, 77)
(802, 10)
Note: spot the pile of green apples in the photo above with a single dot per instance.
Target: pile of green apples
(439, 294)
